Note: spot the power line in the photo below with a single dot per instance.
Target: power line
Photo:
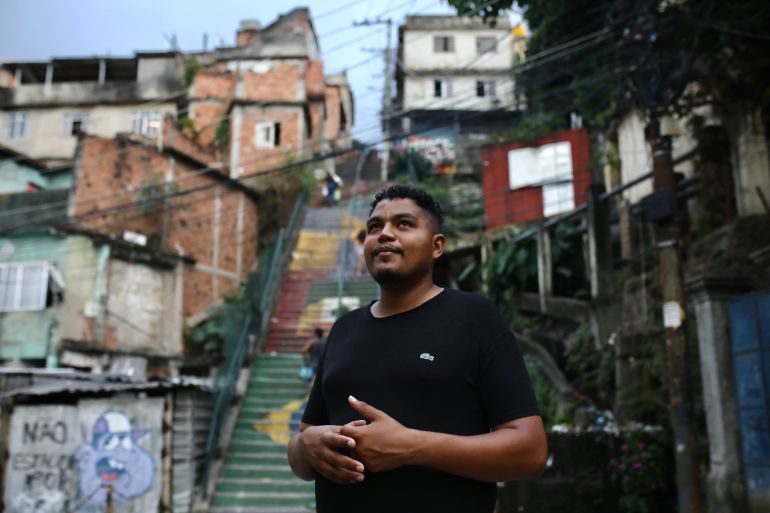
(203, 170)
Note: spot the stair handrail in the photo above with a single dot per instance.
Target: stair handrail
(235, 353)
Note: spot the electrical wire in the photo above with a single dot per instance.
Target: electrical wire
(204, 169)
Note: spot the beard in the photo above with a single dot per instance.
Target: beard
(386, 277)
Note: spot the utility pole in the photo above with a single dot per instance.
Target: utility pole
(385, 92)
(668, 240)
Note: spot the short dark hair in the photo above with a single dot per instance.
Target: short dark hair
(424, 200)
(319, 332)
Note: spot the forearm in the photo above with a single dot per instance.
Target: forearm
(298, 460)
(501, 455)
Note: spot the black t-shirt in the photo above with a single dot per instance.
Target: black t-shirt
(450, 365)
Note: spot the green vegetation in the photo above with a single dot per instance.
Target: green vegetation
(191, 67)
(224, 322)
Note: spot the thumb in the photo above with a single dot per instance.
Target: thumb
(368, 412)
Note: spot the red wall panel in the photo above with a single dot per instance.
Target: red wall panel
(504, 206)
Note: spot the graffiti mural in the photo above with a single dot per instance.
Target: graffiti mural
(66, 458)
(437, 145)
(114, 461)
(39, 477)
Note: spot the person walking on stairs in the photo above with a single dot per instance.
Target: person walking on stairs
(422, 401)
(311, 353)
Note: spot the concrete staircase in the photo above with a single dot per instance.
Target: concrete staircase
(256, 477)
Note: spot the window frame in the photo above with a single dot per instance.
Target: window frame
(71, 118)
(489, 49)
(18, 286)
(142, 122)
(273, 140)
(486, 89)
(18, 125)
(449, 47)
(445, 86)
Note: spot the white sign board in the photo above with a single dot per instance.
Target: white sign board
(537, 166)
(558, 198)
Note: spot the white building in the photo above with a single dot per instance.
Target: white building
(454, 82)
(44, 104)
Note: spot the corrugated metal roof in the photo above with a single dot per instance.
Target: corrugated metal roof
(77, 385)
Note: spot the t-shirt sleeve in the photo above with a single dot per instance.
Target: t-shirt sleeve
(315, 409)
(504, 384)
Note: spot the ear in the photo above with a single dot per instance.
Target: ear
(438, 245)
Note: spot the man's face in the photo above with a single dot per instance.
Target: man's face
(401, 242)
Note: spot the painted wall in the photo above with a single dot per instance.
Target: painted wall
(419, 54)
(46, 135)
(504, 205)
(62, 458)
(15, 176)
(144, 309)
(419, 92)
(31, 335)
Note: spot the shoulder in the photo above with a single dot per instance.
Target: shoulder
(477, 310)
(350, 319)
(477, 303)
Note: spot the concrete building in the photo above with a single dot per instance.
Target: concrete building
(454, 86)
(267, 92)
(43, 105)
(122, 281)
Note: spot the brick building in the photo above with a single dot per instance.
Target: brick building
(265, 100)
(215, 227)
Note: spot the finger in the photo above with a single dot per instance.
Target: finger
(337, 440)
(367, 411)
(351, 429)
(343, 462)
(339, 475)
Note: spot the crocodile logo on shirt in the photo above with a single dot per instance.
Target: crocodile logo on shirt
(427, 356)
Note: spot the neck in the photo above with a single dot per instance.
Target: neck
(396, 299)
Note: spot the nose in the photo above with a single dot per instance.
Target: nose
(386, 233)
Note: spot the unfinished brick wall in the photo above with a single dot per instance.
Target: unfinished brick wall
(332, 124)
(314, 79)
(293, 137)
(207, 116)
(202, 225)
(112, 173)
(316, 121)
(278, 83)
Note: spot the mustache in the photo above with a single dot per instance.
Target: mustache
(380, 249)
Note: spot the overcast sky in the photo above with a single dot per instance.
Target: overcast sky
(42, 29)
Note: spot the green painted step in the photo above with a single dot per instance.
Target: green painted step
(265, 500)
(266, 485)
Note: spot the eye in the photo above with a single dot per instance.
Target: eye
(126, 442)
(112, 443)
(373, 226)
(404, 223)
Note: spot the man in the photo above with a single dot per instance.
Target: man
(311, 353)
(449, 408)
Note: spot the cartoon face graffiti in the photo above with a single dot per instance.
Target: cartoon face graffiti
(114, 460)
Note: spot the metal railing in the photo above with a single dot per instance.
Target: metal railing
(261, 289)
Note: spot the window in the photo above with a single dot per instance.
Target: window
(485, 44)
(485, 88)
(18, 125)
(75, 123)
(443, 44)
(23, 286)
(442, 88)
(146, 122)
(267, 134)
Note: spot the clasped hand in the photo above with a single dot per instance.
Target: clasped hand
(382, 443)
(377, 445)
